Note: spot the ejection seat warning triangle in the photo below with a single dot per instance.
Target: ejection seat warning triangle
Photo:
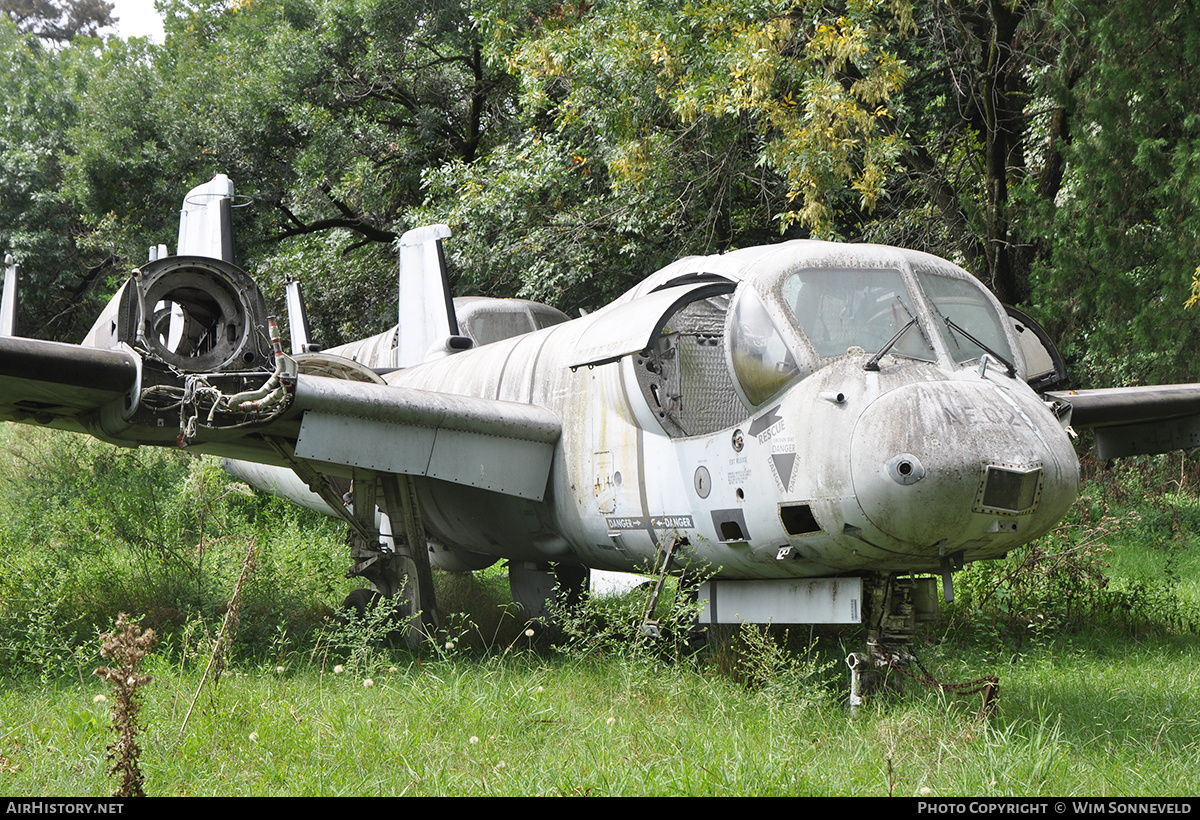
(784, 463)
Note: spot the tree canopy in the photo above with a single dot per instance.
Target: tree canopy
(59, 20)
(1050, 148)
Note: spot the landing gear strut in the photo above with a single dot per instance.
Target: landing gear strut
(395, 557)
(890, 609)
(394, 564)
(893, 607)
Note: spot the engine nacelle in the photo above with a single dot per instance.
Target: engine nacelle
(196, 314)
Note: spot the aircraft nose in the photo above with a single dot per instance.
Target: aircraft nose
(936, 461)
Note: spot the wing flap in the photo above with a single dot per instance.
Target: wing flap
(500, 446)
(1147, 439)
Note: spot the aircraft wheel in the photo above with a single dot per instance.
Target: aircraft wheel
(359, 601)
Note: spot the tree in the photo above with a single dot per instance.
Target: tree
(324, 114)
(1126, 231)
(59, 20)
(655, 128)
(327, 114)
(39, 223)
(987, 120)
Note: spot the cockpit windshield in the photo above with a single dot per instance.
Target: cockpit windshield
(966, 319)
(862, 308)
(866, 312)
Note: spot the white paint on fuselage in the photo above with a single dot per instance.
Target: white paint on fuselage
(617, 473)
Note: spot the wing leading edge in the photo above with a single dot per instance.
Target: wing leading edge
(1136, 420)
(335, 424)
(61, 385)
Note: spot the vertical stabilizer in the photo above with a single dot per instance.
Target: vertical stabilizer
(206, 220)
(298, 327)
(426, 306)
(8, 305)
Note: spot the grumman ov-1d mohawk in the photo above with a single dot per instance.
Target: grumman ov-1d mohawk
(808, 425)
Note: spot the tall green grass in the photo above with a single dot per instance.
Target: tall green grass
(88, 530)
(1092, 631)
(530, 723)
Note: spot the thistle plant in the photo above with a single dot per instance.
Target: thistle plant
(127, 646)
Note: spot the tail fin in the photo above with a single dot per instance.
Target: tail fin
(297, 313)
(206, 220)
(8, 306)
(427, 315)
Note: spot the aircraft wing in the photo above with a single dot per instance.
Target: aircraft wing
(1136, 420)
(59, 384)
(334, 424)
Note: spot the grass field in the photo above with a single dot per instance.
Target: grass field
(1087, 717)
(1093, 632)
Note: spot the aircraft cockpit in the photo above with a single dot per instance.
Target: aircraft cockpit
(797, 321)
(713, 339)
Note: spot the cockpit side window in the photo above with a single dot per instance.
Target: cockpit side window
(762, 360)
(839, 310)
(962, 311)
(486, 326)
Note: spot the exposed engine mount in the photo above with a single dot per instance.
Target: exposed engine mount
(209, 350)
(196, 314)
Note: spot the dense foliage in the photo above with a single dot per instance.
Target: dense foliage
(59, 20)
(1049, 147)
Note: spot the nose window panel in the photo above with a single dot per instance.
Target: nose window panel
(1009, 491)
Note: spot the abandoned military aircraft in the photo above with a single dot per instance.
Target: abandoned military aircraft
(808, 424)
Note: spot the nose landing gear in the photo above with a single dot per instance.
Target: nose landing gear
(893, 607)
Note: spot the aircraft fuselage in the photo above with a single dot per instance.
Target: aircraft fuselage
(844, 470)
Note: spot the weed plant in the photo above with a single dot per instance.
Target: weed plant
(126, 647)
(1070, 722)
(363, 644)
(611, 627)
